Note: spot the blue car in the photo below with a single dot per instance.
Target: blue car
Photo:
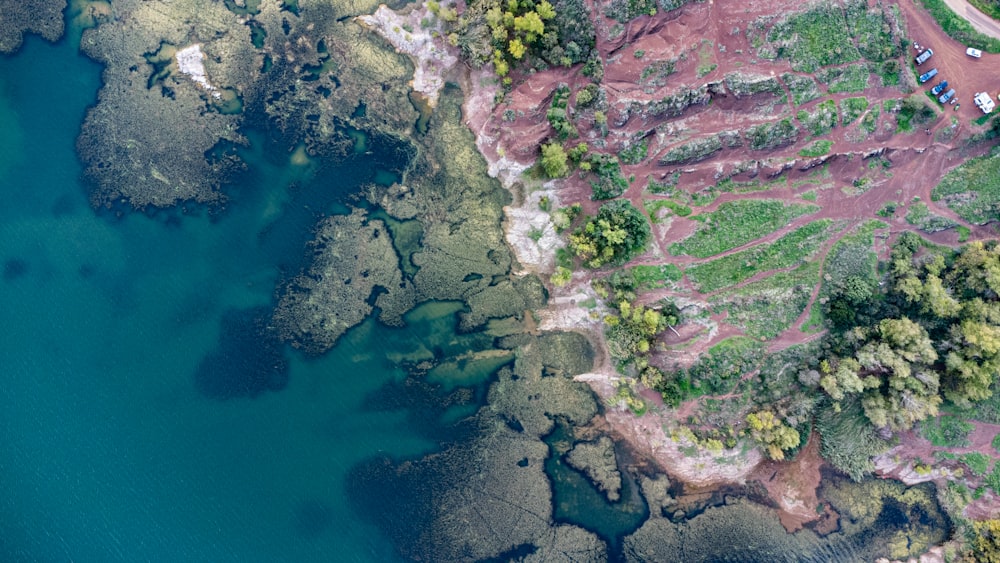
(939, 88)
(928, 75)
(946, 96)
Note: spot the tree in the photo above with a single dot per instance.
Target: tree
(986, 547)
(554, 160)
(614, 236)
(772, 433)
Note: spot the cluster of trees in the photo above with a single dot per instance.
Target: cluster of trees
(617, 233)
(506, 32)
(769, 431)
(633, 331)
(933, 334)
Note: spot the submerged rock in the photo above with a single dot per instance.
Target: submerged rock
(356, 268)
(597, 461)
(17, 17)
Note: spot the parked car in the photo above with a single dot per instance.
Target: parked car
(922, 57)
(939, 88)
(946, 96)
(973, 52)
(928, 75)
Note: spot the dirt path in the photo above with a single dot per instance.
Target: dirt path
(980, 21)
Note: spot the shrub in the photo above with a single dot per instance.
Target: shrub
(554, 161)
(616, 234)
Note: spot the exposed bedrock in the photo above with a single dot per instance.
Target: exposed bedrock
(491, 498)
(597, 461)
(157, 133)
(17, 17)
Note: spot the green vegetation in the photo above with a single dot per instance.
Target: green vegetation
(736, 223)
(772, 433)
(963, 233)
(655, 74)
(959, 28)
(822, 120)
(787, 251)
(973, 189)
(721, 367)
(911, 111)
(809, 195)
(850, 268)
(765, 308)
(889, 209)
(947, 431)
(635, 153)
(889, 72)
(743, 85)
(618, 233)
(655, 277)
(653, 206)
(803, 88)
(816, 148)
(634, 329)
(558, 116)
(921, 217)
(869, 123)
(609, 182)
(554, 161)
(667, 187)
(847, 440)
(851, 109)
(816, 38)
(772, 135)
(978, 463)
(850, 78)
(692, 151)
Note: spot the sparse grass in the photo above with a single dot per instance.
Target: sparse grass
(765, 308)
(851, 78)
(655, 277)
(921, 217)
(959, 28)
(692, 151)
(803, 88)
(667, 187)
(973, 189)
(653, 206)
(996, 443)
(851, 109)
(785, 252)
(822, 120)
(635, 152)
(736, 223)
(816, 148)
(706, 60)
(947, 431)
(978, 463)
(869, 123)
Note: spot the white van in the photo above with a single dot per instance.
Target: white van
(973, 52)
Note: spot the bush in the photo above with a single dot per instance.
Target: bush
(609, 183)
(613, 237)
(554, 161)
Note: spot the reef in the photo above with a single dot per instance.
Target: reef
(597, 461)
(455, 510)
(162, 134)
(43, 17)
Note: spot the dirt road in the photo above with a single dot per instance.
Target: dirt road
(983, 23)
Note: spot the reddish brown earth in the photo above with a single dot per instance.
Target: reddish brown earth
(918, 160)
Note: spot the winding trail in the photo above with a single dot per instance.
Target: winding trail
(980, 21)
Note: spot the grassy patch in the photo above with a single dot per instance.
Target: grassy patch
(973, 189)
(851, 109)
(653, 207)
(723, 364)
(655, 277)
(921, 217)
(802, 88)
(963, 233)
(772, 135)
(816, 148)
(692, 151)
(850, 78)
(910, 112)
(959, 28)
(889, 72)
(947, 431)
(736, 223)
(668, 186)
(869, 123)
(978, 463)
(811, 39)
(785, 252)
(609, 183)
(822, 120)
(634, 153)
(765, 308)
(808, 195)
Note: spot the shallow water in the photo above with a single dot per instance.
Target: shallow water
(111, 453)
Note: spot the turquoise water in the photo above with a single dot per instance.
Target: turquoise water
(110, 451)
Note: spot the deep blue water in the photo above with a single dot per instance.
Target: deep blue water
(110, 451)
